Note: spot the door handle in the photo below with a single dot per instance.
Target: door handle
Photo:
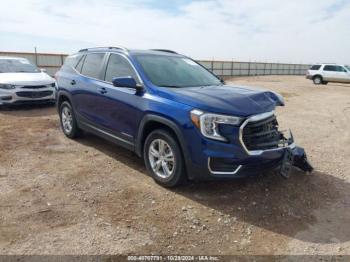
(73, 82)
(102, 90)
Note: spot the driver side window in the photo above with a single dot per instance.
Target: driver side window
(118, 66)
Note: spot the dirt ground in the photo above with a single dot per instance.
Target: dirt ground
(60, 196)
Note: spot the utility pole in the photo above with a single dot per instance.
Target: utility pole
(36, 56)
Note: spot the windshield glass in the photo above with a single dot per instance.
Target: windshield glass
(174, 71)
(16, 66)
(347, 67)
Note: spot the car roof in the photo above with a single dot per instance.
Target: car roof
(331, 64)
(129, 51)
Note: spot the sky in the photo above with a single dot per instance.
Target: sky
(290, 31)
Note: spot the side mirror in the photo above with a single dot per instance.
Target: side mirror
(127, 81)
(221, 79)
(43, 70)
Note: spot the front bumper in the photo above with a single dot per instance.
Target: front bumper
(239, 167)
(21, 95)
(216, 160)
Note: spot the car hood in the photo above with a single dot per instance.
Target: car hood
(26, 78)
(233, 100)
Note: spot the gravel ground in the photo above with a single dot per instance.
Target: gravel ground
(59, 196)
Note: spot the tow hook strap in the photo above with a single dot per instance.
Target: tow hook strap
(300, 160)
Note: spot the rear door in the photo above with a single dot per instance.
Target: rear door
(86, 88)
(330, 73)
(68, 73)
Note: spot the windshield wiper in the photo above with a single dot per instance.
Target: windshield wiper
(172, 86)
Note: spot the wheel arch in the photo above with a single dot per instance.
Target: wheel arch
(152, 122)
(317, 75)
(61, 97)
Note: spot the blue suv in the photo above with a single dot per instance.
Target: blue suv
(181, 118)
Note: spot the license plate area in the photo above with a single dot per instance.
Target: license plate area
(287, 163)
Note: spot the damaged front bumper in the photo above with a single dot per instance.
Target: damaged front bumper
(267, 124)
(256, 147)
(281, 158)
(294, 157)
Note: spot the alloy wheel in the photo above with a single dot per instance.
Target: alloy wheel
(161, 158)
(67, 120)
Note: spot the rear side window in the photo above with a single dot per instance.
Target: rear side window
(331, 68)
(92, 65)
(118, 66)
(315, 67)
(79, 66)
(334, 68)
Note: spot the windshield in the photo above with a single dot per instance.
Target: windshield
(174, 71)
(16, 66)
(347, 67)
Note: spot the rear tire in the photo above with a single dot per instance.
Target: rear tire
(163, 158)
(317, 80)
(68, 121)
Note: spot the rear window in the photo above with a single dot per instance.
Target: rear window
(315, 67)
(92, 65)
(71, 62)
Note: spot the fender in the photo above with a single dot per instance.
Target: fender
(61, 93)
(173, 126)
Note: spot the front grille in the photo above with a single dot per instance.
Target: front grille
(31, 94)
(263, 135)
(39, 86)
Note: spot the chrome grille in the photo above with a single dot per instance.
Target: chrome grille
(263, 134)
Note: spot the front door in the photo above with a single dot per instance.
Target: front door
(122, 108)
(343, 74)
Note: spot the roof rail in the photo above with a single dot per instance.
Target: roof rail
(108, 47)
(164, 50)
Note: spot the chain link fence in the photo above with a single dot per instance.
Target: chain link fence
(236, 68)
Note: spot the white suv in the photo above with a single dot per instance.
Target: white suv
(324, 73)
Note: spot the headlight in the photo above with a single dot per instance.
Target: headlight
(208, 123)
(7, 86)
(280, 98)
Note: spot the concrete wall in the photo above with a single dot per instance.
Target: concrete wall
(53, 62)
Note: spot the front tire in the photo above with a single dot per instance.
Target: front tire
(318, 80)
(68, 121)
(163, 158)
